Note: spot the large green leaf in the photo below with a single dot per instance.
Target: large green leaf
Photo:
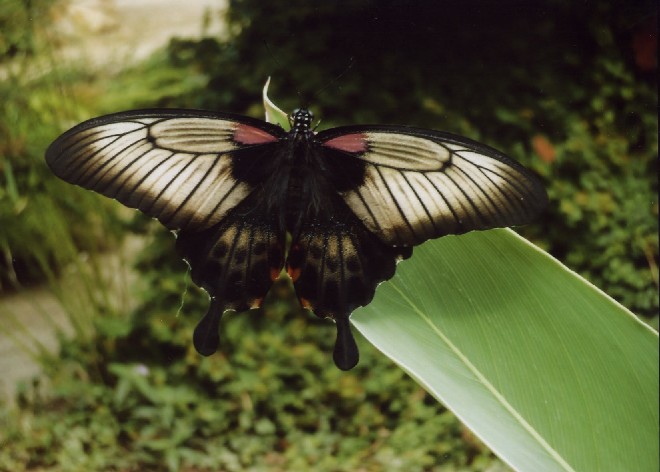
(546, 369)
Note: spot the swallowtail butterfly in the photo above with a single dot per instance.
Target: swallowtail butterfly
(353, 199)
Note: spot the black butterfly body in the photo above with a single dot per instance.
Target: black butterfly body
(354, 200)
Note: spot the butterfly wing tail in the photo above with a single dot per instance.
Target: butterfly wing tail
(345, 354)
(236, 262)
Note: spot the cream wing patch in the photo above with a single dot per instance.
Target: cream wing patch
(407, 152)
(168, 168)
(201, 135)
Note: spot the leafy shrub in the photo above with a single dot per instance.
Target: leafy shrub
(144, 400)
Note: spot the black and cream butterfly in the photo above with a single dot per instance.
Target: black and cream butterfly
(354, 200)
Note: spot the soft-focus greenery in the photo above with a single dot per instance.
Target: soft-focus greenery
(36, 239)
(147, 402)
(19, 22)
(561, 88)
(39, 100)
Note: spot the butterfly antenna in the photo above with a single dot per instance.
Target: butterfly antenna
(348, 67)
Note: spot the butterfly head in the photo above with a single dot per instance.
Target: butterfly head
(301, 120)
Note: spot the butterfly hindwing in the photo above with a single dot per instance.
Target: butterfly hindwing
(336, 264)
(235, 261)
(419, 184)
(174, 165)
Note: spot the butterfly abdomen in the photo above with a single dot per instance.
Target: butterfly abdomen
(305, 189)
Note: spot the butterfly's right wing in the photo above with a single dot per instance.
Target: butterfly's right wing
(187, 168)
(199, 173)
(408, 185)
(391, 188)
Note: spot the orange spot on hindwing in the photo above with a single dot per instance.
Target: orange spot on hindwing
(306, 304)
(294, 273)
(294, 262)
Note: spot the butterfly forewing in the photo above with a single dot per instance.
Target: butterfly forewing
(174, 165)
(420, 184)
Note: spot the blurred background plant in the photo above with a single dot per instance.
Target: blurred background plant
(569, 90)
(36, 238)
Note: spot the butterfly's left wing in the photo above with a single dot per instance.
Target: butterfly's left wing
(187, 168)
(200, 173)
(408, 185)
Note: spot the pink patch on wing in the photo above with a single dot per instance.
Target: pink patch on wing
(356, 142)
(245, 134)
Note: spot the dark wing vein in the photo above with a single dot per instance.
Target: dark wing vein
(465, 200)
(166, 186)
(194, 190)
(112, 182)
(442, 196)
(421, 201)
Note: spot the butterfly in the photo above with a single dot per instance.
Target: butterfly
(337, 209)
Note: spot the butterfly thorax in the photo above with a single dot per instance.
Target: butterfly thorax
(301, 121)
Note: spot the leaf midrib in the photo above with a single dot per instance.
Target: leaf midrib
(477, 373)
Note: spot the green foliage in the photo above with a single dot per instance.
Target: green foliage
(272, 400)
(514, 361)
(20, 21)
(45, 223)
